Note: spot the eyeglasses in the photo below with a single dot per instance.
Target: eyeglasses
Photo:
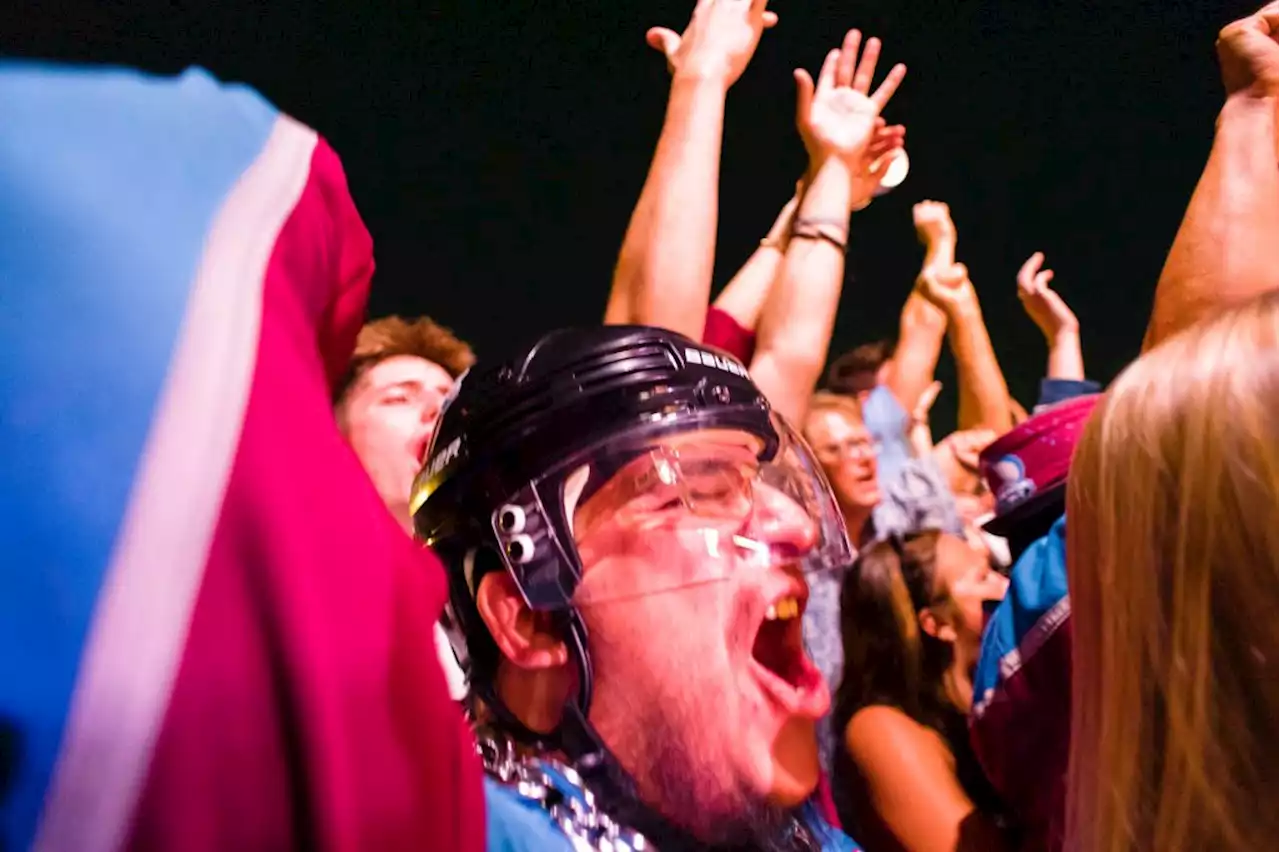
(855, 448)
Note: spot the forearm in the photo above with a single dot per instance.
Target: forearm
(921, 329)
(984, 397)
(800, 311)
(1066, 361)
(1225, 250)
(664, 270)
(744, 296)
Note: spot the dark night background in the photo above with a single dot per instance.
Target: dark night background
(496, 150)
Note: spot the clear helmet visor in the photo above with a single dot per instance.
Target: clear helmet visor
(694, 507)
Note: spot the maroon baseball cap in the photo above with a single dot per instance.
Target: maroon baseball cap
(1026, 468)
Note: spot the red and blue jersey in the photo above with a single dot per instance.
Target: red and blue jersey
(212, 633)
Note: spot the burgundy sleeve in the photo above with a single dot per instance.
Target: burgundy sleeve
(723, 332)
(309, 710)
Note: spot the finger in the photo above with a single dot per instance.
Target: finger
(890, 85)
(770, 20)
(1029, 269)
(848, 58)
(1270, 15)
(827, 76)
(663, 39)
(894, 132)
(1043, 279)
(878, 146)
(804, 95)
(867, 66)
(927, 398)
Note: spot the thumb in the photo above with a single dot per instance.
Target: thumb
(663, 39)
(804, 95)
(770, 19)
(926, 400)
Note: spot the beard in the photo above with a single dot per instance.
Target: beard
(698, 794)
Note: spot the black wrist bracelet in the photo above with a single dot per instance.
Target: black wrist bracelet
(809, 231)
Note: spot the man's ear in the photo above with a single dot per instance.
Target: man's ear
(528, 639)
(938, 628)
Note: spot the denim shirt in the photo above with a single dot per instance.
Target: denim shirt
(887, 422)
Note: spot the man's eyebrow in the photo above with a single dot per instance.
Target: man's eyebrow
(402, 384)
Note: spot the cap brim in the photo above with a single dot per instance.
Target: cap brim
(1006, 523)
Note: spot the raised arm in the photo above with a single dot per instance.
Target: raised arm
(922, 326)
(984, 397)
(1055, 320)
(664, 270)
(1226, 249)
(840, 125)
(744, 296)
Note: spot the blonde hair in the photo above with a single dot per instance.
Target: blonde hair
(1172, 559)
(838, 402)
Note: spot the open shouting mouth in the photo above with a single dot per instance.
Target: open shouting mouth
(781, 664)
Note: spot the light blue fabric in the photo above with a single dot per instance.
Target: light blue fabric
(887, 421)
(1037, 582)
(109, 182)
(516, 824)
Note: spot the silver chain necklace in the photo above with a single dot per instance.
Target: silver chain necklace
(574, 810)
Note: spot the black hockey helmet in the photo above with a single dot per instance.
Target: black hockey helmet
(522, 444)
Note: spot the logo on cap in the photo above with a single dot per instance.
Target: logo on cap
(1014, 486)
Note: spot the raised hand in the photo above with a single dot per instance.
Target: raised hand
(718, 43)
(837, 117)
(947, 287)
(933, 223)
(875, 162)
(1043, 305)
(1249, 56)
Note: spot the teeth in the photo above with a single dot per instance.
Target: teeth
(784, 610)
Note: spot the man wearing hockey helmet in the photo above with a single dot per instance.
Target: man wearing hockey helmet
(626, 525)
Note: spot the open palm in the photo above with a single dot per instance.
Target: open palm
(837, 117)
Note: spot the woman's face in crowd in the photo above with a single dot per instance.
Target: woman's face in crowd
(966, 577)
(847, 452)
(388, 418)
(703, 688)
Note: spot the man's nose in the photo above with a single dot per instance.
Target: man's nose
(778, 520)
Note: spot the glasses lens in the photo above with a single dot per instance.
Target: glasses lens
(696, 508)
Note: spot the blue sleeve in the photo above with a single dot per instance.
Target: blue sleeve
(1053, 391)
(887, 422)
(513, 824)
(830, 838)
(1037, 582)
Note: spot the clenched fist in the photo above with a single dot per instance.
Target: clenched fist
(1249, 56)
(933, 222)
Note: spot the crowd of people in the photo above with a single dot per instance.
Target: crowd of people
(277, 577)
